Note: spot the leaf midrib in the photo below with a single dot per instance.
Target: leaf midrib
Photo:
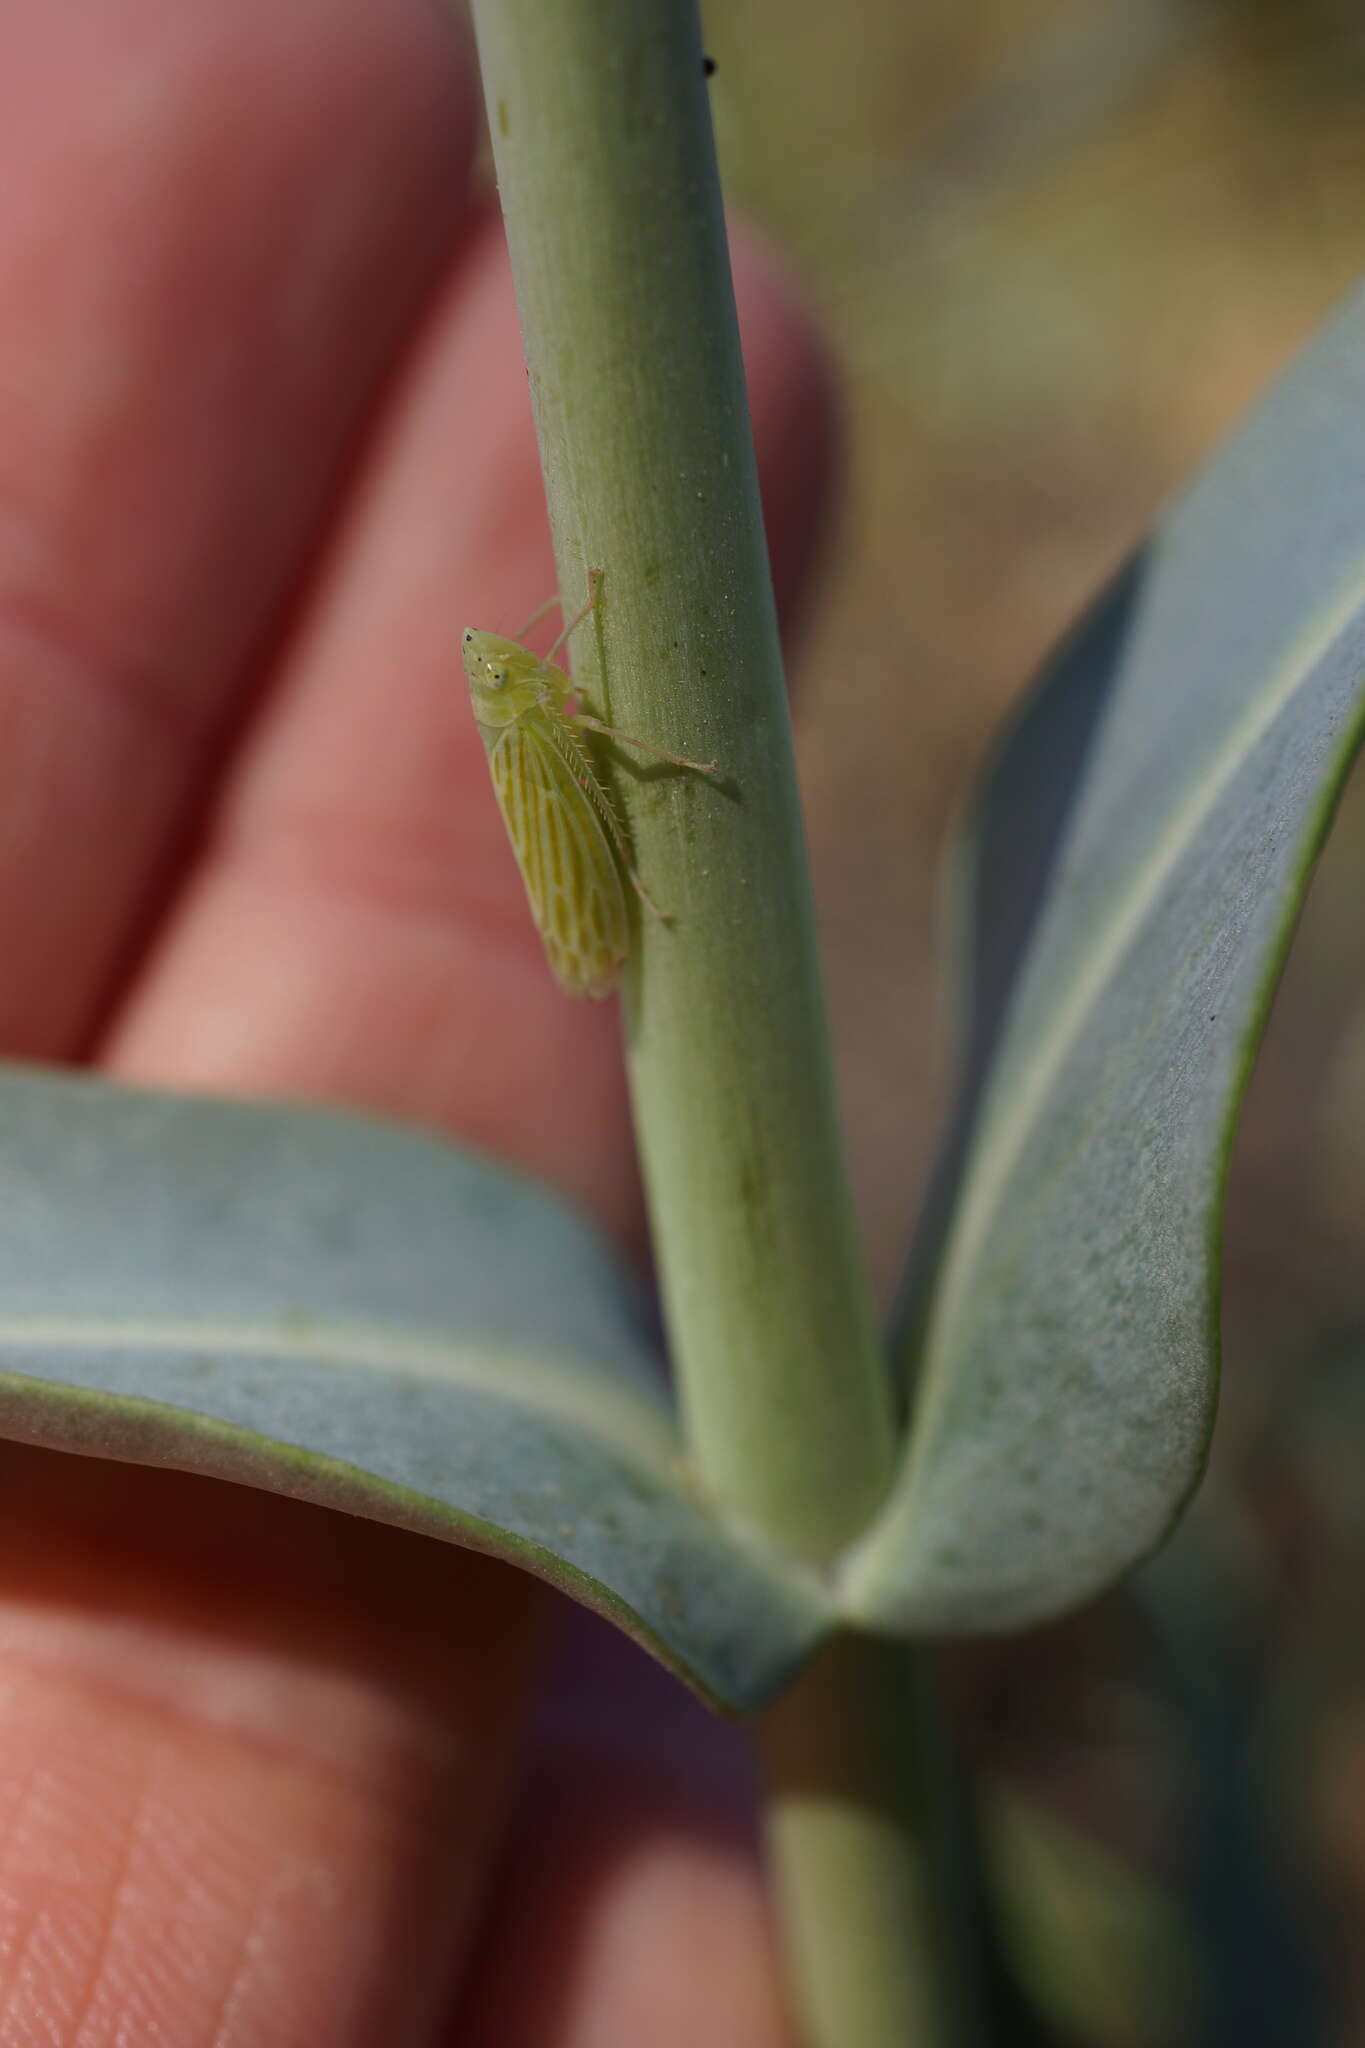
(636, 1425)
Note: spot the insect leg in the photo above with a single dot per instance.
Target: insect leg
(563, 730)
(638, 886)
(594, 592)
(627, 739)
(606, 810)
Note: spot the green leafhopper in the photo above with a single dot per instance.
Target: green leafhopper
(569, 843)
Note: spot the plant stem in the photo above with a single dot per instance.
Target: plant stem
(838, 1760)
(601, 133)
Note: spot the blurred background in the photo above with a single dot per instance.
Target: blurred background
(1058, 246)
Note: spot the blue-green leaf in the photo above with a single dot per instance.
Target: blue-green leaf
(1138, 852)
(355, 1314)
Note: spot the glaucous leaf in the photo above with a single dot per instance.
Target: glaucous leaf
(1137, 854)
(358, 1315)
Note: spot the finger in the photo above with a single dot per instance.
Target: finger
(633, 1854)
(356, 926)
(250, 1753)
(650, 1922)
(216, 224)
(358, 888)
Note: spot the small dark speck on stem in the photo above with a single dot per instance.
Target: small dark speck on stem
(708, 65)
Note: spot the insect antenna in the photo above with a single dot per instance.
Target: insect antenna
(537, 615)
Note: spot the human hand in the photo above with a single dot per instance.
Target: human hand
(264, 450)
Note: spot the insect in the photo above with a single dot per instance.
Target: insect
(570, 845)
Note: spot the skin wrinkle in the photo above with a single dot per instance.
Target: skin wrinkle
(423, 1775)
(131, 683)
(180, 1968)
(81, 1916)
(195, 1636)
(242, 1989)
(366, 1755)
(117, 1892)
(242, 1901)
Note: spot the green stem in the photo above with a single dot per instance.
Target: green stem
(601, 133)
(838, 1760)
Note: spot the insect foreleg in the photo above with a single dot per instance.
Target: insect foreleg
(594, 592)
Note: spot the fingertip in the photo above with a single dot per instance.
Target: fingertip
(650, 1918)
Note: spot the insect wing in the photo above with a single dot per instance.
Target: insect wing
(566, 861)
